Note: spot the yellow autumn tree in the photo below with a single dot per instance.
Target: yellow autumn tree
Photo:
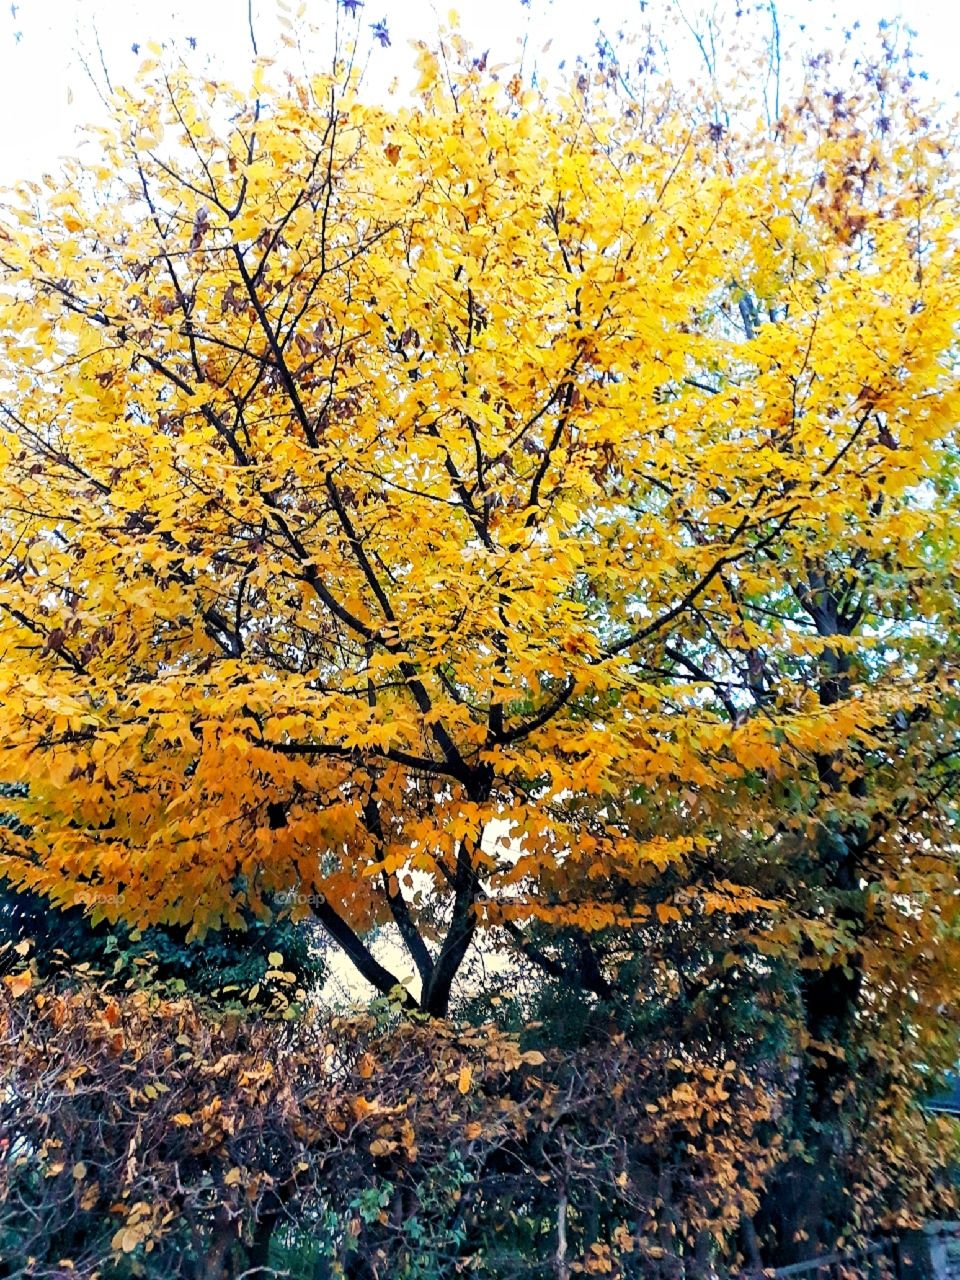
(461, 512)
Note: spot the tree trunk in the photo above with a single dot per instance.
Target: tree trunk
(258, 1251)
(806, 1206)
(215, 1263)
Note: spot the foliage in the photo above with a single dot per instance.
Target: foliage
(528, 520)
(142, 1132)
(232, 966)
(399, 470)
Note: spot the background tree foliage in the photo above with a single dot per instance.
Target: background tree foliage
(527, 519)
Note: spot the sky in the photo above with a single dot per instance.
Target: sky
(45, 91)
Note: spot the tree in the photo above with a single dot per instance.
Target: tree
(501, 511)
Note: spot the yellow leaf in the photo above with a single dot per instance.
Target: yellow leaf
(19, 983)
(666, 913)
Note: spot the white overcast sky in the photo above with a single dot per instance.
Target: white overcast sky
(44, 92)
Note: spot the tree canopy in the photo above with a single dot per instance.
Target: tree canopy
(466, 512)
(525, 518)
